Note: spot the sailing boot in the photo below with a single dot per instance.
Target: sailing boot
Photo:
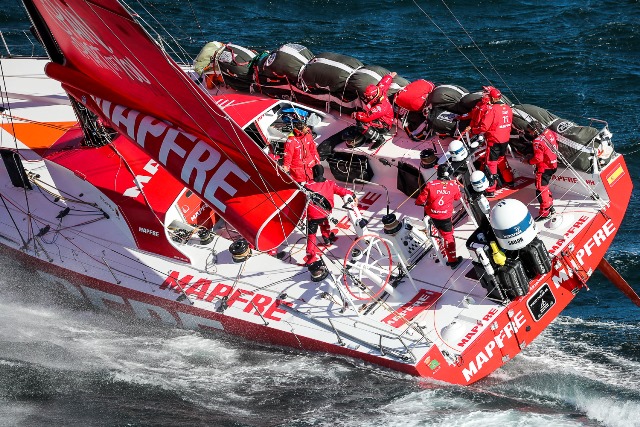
(328, 240)
(378, 142)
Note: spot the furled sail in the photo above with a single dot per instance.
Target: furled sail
(108, 62)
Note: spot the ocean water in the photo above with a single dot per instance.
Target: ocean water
(69, 365)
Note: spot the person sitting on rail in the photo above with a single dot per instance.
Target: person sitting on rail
(377, 117)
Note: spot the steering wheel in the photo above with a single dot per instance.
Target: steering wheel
(367, 267)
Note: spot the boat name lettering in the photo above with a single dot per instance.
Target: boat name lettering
(476, 328)
(507, 332)
(571, 179)
(148, 231)
(573, 229)
(598, 238)
(202, 167)
(90, 45)
(139, 309)
(140, 180)
(204, 290)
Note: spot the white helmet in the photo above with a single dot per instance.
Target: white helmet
(479, 181)
(458, 151)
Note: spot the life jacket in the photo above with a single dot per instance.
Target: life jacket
(543, 157)
(327, 189)
(438, 197)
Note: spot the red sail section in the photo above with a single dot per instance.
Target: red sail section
(116, 70)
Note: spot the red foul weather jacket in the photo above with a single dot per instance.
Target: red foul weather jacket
(495, 123)
(328, 189)
(438, 197)
(300, 156)
(381, 111)
(543, 157)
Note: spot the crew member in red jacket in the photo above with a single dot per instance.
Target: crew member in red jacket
(377, 117)
(319, 210)
(437, 197)
(494, 120)
(545, 145)
(300, 153)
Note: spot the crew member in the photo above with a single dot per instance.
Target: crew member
(319, 210)
(545, 145)
(494, 120)
(478, 110)
(480, 208)
(377, 117)
(437, 197)
(300, 152)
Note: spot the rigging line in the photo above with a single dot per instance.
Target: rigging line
(15, 139)
(214, 115)
(173, 21)
(24, 243)
(132, 12)
(195, 17)
(481, 52)
(44, 124)
(451, 41)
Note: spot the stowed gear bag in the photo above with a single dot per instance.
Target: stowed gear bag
(369, 75)
(235, 66)
(328, 72)
(467, 103)
(446, 96)
(413, 97)
(523, 114)
(575, 143)
(282, 66)
(442, 121)
(346, 167)
(206, 58)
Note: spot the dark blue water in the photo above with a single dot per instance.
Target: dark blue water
(66, 365)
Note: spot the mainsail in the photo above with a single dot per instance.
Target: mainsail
(109, 63)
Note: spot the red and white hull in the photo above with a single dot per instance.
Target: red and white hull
(114, 247)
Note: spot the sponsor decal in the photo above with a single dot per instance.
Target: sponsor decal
(433, 364)
(540, 302)
(149, 231)
(476, 328)
(569, 233)
(139, 309)
(508, 332)
(420, 302)
(151, 168)
(614, 176)
(90, 45)
(204, 290)
(201, 166)
(564, 126)
(571, 179)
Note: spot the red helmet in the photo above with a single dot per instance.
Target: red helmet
(371, 92)
(492, 91)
